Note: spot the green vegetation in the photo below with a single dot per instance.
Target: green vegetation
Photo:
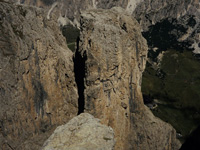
(176, 85)
(71, 34)
(48, 2)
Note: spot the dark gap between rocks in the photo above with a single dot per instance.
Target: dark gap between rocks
(79, 70)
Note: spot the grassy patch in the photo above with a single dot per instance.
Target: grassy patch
(179, 89)
(71, 34)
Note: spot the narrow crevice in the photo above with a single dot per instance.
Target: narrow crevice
(79, 71)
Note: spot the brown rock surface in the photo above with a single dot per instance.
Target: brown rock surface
(115, 54)
(37, 86)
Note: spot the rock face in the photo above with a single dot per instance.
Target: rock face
(70, 9)
(37, 86)
(114, 55)
(178, 19)
(150, 12)
(183, 14)
(38, 3)
(83, 132)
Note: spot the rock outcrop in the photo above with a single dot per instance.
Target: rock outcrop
(178, 19)
(114, 54)
(83, 132)
(37, 86)
(179, 14)
(150, 12)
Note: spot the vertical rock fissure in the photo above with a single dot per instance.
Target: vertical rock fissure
(40, 93)
(79, 71)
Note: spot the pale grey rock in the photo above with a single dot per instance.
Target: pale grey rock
(83, 132)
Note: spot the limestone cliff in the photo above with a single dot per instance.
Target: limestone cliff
(178, 19)
(183, 16)
(114, 53)
(37, 86)
(70, 9)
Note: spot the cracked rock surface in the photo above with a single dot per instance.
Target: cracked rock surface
(116, 54)
(37, 86)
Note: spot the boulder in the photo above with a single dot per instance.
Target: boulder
(83, 132)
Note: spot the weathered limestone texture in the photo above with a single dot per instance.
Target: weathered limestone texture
(37, 85)
(83, 132)
(115, 55)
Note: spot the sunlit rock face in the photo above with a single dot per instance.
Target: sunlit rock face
(37, 86)
(114, 55)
